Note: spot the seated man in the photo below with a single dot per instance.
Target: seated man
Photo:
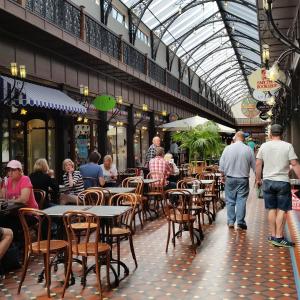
(159, 165)
(6, 237)
(91, 172)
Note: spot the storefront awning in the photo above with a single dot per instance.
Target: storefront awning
(41, 96)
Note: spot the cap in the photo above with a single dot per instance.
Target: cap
(14, 164)
(276, 129)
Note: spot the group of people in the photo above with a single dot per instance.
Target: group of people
(271, 167)
(18, 188)
(158, 162)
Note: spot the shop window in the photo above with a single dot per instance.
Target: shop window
(117, 146)
(82, 139)
(36, 131)
(51, 144)
(141, 146)
(4, 142)
(144, 144)
(17, 140)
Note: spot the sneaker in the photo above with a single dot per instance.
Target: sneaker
(231, 226)
(282, 242)
(271, 239)
(242, 227)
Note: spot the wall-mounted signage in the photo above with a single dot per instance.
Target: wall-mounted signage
(248, 107)
(264, 116)
(104, 102)
(258, 81)
(263, 106)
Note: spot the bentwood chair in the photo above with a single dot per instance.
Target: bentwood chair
(138, 183)
(156, 191)
(46, 248)
(179, 211)
(91, 197)
(124, 227)
(89, 246)
(40, 198)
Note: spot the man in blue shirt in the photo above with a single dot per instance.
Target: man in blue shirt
(235, 164)
(91, 172)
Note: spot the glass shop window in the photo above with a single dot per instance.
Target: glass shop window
(82, 146)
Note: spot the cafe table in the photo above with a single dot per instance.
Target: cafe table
(10, 209)
(108, 215)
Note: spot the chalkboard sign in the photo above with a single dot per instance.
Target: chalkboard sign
(263, 106)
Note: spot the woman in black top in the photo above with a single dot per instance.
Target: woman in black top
(43, 178)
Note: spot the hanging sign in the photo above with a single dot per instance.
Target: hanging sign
(264, 116)
(248, 107)
(259, 81)
(263, 106)
(104, 102)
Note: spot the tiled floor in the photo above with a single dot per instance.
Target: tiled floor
(229, 265)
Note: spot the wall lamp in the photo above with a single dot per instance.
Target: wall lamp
(17, 74)
(84, 92)
(266, 55)
(164, 113)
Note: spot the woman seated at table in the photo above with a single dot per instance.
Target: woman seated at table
(18, 189)
(43, 178)
(73, 182)
(169, 158)
(110, 172)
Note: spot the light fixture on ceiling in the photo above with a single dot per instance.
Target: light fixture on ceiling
(145, 107)
(266, 54)
(23, 112)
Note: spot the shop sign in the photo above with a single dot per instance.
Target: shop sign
(173, 117)
(263, 106)
(264, 116)
(248, 107)
(104, 102)
(258, 81)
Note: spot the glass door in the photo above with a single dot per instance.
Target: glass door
(36, 142)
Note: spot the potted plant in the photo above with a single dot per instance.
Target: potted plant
(202, 141)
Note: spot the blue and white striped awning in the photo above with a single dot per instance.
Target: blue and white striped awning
(40, 96)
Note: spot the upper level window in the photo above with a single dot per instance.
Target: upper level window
(143, 37)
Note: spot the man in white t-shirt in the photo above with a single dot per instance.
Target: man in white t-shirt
(275, 158)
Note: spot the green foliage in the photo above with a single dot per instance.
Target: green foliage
(202, 142)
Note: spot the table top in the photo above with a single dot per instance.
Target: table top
(199, 191)
(100, 211)
(11, 207)
(203, 181)
(147, 180)
(119, 190)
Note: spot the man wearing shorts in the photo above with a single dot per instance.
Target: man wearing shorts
(275, 158)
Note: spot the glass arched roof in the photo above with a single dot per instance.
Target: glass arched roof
(217, 39)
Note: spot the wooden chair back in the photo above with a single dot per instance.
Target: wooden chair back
(207, 175)
(136, 182)
(125, 199)
(92, 197)
(157, 187)
(40, 198)
(90, 181)
(184, 183)
(104, 194)
(88, 220)
(179, 205)
(41, 222)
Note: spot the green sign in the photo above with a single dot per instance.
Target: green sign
(104, 102)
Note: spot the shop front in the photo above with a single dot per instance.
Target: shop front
(36, 124)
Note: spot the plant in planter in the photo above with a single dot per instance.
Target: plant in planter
(202, 142)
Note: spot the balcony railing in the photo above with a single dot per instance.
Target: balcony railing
(73, 19)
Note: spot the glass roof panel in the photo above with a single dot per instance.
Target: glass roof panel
(208, 49)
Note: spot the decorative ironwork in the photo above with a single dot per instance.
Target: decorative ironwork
(136, 13)
(134, 58)
(184, 90)
(59, 12)
(172, 82)
(102, 38)
(156, 72)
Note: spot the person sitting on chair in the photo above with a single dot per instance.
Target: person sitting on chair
(109, 171)
(91, 172)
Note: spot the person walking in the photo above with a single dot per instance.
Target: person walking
(151, 152)
(275, 158)
(235, 164)
(174, 150)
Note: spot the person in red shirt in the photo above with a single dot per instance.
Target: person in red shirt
(159, 165)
